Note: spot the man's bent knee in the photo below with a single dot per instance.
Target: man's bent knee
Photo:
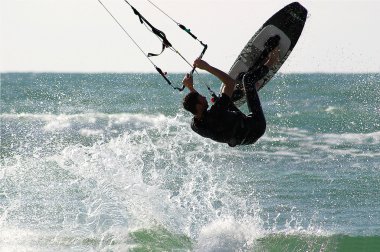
(256, 132)
(260, 130)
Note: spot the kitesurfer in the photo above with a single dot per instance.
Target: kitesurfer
(224, 122)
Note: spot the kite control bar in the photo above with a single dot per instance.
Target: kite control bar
(193, 70)
(200, 57)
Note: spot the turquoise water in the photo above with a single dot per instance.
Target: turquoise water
(108, 162)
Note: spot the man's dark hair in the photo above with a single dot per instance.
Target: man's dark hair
(190, 101)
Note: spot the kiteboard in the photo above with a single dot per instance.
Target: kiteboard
(287, 23)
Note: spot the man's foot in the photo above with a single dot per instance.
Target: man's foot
(239, 78)
(272, 42)
(237, 94)
(273, 58)
(272, 47)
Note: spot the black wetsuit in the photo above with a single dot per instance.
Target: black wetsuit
(225, 123)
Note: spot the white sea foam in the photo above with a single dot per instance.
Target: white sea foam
(352, 138)
(56, 124)
(300, 144)
(331, 109)
(227, 234)
(90, 132)
(137, 166)
(18, 239)
(66, 121)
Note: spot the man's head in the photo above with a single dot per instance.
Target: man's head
(195, 103)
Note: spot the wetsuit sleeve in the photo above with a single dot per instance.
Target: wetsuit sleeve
(200, 129)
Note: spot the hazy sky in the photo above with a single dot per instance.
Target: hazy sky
(79, 36)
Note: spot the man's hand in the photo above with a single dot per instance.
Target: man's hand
(201, 64)
(188, 82)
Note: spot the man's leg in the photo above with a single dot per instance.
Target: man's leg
(249, 81)
(256, 119)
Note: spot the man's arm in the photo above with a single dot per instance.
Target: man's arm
(229, 83)
(188, 82)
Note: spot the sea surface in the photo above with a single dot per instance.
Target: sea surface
(108, 162)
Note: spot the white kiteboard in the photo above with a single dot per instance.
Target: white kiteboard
(287, 23)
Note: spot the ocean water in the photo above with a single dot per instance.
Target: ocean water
(108, 162)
